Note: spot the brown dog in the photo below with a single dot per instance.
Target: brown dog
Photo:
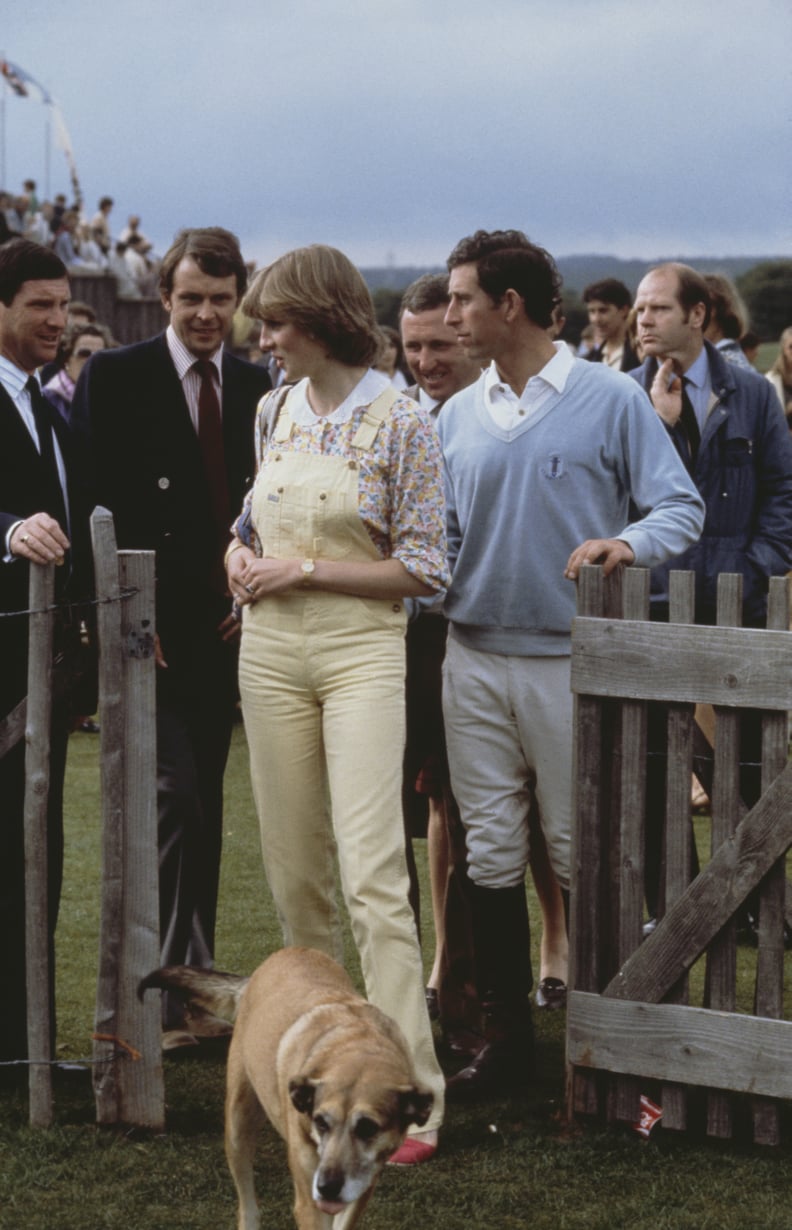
(330, 1071)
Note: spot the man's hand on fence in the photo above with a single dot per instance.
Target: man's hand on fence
(606, 551)
(39, 539)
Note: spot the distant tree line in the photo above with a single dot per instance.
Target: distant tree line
(766, 288)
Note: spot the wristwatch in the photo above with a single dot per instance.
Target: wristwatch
(307, 568)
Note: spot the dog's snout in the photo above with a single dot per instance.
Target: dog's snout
(330, 1184)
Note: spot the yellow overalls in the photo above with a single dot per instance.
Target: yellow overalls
(322, 685)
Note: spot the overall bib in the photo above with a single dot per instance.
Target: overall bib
(322, 686)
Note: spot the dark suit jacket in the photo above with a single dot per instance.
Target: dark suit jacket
(149, 473)
(22, 493)
(629, 359)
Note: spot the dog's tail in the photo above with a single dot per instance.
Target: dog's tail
(210, 997)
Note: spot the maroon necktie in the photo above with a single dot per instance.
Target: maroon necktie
(210, 438)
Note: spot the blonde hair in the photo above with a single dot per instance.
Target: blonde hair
(781, 365)
(319, 290)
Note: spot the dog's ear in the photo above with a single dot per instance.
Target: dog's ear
(302, 1092)
(415, 1106)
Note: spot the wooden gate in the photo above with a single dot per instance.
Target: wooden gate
(630, 1020)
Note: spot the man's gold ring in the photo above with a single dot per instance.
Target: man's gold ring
(250, 589)
(24, 537)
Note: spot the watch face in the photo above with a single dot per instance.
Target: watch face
(307, 567)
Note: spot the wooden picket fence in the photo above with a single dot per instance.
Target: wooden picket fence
(631, 1028)
(127, 1061)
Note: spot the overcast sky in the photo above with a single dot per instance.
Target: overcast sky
(391, 128)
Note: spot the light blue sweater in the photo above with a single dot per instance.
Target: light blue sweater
(520, 501)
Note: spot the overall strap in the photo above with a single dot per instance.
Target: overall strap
(279, 420)
(373, 418)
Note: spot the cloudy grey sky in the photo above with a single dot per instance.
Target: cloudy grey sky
(391, 128)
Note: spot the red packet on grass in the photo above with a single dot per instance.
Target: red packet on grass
(650, 1114)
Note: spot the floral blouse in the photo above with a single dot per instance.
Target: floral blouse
(400, 479)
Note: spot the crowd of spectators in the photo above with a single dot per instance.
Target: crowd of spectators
(83, 244)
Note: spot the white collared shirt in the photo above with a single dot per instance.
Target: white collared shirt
(428, 404)
(183, 361)
(365, 391)
(507, 409)
(14, 381)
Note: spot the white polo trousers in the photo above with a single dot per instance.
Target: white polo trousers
(509, 724)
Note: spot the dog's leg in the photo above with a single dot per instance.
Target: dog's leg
(244, 1119)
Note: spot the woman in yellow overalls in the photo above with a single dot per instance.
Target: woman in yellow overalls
(345, 520)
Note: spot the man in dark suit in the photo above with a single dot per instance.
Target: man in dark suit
(170, 422)
(43, 519)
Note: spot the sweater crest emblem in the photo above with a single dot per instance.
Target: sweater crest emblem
(553, 466)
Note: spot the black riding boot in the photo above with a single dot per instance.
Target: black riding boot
(502, 941)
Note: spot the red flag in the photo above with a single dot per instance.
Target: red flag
(11, 75)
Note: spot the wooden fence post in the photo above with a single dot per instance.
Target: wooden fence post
(37, 781)
(128, 1091)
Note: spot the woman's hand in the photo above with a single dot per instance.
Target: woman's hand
(237, 560)
(261, 577)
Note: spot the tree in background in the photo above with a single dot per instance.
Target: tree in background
(386, 305)
(767, 291)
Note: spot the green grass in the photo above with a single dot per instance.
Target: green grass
(502, 1165)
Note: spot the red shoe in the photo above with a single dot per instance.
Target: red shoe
(412, 1153)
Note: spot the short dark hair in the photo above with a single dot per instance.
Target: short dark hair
(21, 260)
(608, 290)
(215, 252)
(105, 200)
(426, 293)
(319, 290)
(507, 260)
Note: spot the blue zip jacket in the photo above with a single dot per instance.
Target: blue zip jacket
(744, 473)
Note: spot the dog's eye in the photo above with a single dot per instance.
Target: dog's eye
(366, 1129)
(321, 1125)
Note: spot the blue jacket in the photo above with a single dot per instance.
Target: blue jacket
(744, 473)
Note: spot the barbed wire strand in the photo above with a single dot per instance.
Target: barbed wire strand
(75, 604)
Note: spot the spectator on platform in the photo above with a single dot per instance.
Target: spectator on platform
(65, 241)
(140, 268)
(127, 287)
(88, 250)
(132, 230)
(100, 224)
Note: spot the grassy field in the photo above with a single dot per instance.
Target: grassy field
(501, 1165)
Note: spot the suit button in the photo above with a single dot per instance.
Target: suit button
(163, 483)
(396, 607)
(322, 495)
